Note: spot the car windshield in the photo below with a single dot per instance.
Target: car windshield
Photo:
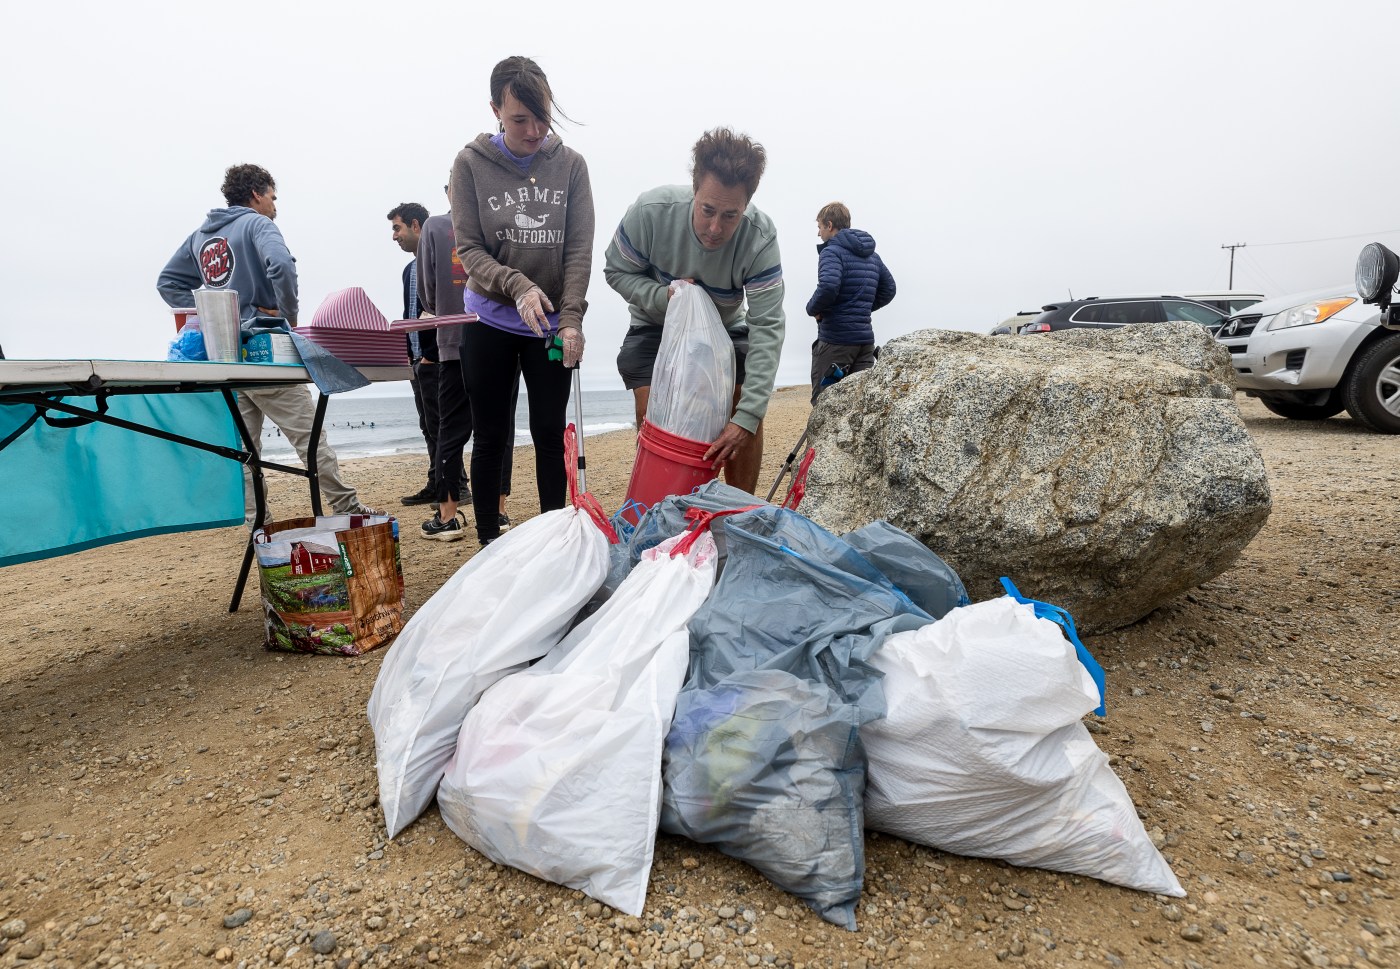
(1239, 304)
(1185, 312)
(1119, 313)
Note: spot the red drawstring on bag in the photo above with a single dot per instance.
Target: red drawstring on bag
(700, 521)
(584, 502)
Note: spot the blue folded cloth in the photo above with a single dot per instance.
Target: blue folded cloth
(329, 373)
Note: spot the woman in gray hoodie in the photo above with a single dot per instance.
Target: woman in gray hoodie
(522, 218)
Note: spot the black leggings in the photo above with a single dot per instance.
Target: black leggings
(491, 358)
(455, 430)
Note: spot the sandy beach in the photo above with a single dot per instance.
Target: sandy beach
(172, 794)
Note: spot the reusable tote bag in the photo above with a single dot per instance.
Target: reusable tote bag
(331, 585)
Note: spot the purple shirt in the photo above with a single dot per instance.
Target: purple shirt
(502, 315)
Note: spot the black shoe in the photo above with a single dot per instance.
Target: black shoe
(421, 498)
(504, 520)
(452, 530)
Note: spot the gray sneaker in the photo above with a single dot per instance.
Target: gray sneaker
(452, 530)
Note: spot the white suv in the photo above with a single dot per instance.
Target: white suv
(1311, 355)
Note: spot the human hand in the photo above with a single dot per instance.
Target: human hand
(673, 289)
(727, 444)
(532, 308)
(573, 345)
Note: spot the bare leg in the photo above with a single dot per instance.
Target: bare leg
(741, 471)
(641, 395)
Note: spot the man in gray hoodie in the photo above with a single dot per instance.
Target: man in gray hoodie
(241, 248)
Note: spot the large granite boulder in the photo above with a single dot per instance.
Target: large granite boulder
(1103, 471)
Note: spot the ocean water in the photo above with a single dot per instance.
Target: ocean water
(363, 427)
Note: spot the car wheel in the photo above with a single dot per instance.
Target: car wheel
(1286, 405)
(1372, 394)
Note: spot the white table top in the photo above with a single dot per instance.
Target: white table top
(25, 376)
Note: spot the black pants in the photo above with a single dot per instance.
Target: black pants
(454, 430)
(491, 361)
(425, 400)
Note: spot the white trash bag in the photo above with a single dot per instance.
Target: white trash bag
(983, 752)
(509, 605)
(558, 767)
(692, 383)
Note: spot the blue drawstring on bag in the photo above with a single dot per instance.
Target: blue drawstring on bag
(1044, 610)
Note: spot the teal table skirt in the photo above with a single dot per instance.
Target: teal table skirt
(66, 489)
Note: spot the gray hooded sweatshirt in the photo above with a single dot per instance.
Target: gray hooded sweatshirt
(516, 231)
(235, 248)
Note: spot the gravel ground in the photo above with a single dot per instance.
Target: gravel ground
(171, 794)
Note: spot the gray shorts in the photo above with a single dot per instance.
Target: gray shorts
(849, 358)
(638, 355)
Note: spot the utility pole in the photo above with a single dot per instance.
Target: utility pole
(1238, 245)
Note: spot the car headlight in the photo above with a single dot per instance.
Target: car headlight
(1316, 312)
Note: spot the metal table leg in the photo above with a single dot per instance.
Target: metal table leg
(312, 450)
(259, 499)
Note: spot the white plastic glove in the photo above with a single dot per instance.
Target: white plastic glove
(532, 308)
(573, 345)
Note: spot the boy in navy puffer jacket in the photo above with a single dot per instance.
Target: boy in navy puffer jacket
(852, 282)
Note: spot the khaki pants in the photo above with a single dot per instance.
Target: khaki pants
(291, 409)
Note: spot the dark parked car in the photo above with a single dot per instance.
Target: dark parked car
(1111, 312)
(1011, 324)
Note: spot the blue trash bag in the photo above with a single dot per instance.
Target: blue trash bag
(908, 563)
(803, 600)
(798, 606)
(769, 767)
(667, 518)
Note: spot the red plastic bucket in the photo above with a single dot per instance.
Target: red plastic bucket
(666, 464)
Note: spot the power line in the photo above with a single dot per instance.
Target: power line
(1303, 242)
(1272, 283)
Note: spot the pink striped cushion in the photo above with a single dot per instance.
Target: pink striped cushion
(349, 309)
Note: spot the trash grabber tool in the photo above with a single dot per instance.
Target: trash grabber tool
(787, 465)
(832, 375)
(578, 422)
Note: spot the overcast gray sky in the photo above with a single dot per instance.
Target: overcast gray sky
(1001, 153)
